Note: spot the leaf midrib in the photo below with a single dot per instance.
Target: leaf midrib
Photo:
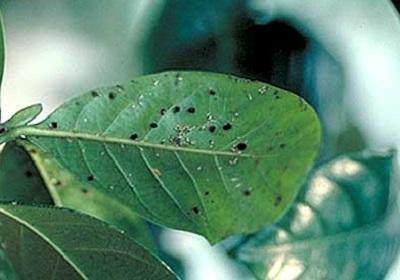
(41, 132)
(44, 238)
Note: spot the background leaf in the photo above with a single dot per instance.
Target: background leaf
(56, 243)
(2, 53)
(2, 48)
(23, 180)
(207, 153)
(343, 225)
(19, 179)
(7, 272)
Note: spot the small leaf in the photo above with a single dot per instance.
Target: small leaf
(343, 225)
(56, 243)
(24, 116)
(27, 181)
(208, 153)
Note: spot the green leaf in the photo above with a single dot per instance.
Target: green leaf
(207, 153)
(24, 116)
(56, 243)
(28, 181)
(2, 52)
(7, 272)
(67, 191)
(19, 179)
(2, 49)
(343, 225)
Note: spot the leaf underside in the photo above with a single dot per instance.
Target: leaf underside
(27, 176)
(19, 179)
(341, 226)
(72, 246)
(207, 153)
(7, 272)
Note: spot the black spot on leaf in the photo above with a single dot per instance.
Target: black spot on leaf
(112, 95)
(241, 146)
(57, 183)
(227, 126)
(94, 93)
(247, 192)
(53, 125)
(212, 128)
(134, 136)
(212, 92)
(278, 200)
(2, 130)
(196, 210)
(90, 178)
(28, 173)
(191, 110)
(176, 109)
(163, 111)
(153, 125)
(282, 145)
(206, 193)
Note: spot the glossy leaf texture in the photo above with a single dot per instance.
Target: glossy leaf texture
(343, 225)
(56, 243)
(27, 176)
(202, 152)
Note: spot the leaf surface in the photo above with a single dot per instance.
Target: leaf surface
(343, 225)
(7, 272)
(19, 179)
(2, 52)
(28, 176)
(2, 49)
(208, 153)
(56, 243)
